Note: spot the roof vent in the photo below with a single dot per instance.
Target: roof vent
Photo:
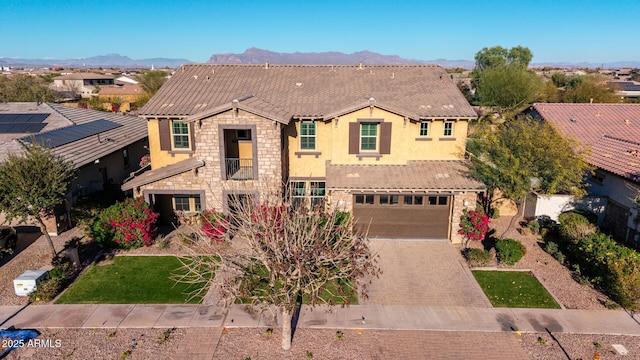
(360, 67)
(627, 121)
(573, 120)
(195, 77)
(266, 64)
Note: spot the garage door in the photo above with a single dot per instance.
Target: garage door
(403, 216)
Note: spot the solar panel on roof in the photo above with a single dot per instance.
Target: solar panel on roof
(21, 127)
(57, 137)
(23, 118)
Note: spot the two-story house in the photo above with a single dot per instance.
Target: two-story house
(612, 134)
(384, 142)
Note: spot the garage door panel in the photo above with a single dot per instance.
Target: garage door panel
(403, 221)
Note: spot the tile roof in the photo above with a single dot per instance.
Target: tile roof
(162, 173)
(315, 91)
(85, 150)
(621, 157)
(127, 89)
(609, 130)
(431, 175)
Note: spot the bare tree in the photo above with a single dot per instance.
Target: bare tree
(280, 254)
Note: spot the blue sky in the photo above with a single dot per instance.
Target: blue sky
(555, 31)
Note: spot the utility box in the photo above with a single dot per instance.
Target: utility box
(28, 281)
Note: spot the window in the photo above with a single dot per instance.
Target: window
(181, 203)
(125, 157)
(438, 200)
(243, 134)
(389, 199)
(412, 200)
(597, 177)
(448, 129)
(317, 194)
(308, 192)
(180, 132)
(424, 129)
(188, 203)
(364, 199)
(298, 193)
(307, 135)
(369, 136)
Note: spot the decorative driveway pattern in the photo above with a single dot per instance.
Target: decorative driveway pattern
(423, 273)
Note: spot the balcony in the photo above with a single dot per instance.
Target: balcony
(239, 169)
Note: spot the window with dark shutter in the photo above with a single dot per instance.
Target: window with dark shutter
(165, 134)
(354, 138)
(385, 138)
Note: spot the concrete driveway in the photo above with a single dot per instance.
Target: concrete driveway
(423, 273)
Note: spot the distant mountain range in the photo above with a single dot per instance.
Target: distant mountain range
(105, 61)
(260, 56)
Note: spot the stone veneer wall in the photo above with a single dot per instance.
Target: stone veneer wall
(209, 177)
(341, 199)
(458, 207)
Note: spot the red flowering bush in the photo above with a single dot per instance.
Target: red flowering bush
(214, 225)
(474, 225)
(128, 225)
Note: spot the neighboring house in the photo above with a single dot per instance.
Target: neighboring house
(105, 147)
(612, 133)
(81, 84)
(626, 89)
(384, 142)
(120, 97)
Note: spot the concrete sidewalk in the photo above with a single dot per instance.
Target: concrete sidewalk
(454, 318)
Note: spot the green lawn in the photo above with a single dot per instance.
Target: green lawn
(130, 280)
(514, 289)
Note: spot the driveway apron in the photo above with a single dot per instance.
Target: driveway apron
(422, 273)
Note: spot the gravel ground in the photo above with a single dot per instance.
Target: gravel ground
(101, 344)
(540, 346)
(553, 275)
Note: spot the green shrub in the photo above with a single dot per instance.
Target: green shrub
(510, 251)
(57, 279)
(534, 227)
(127, 225)
(572, 217)
(551, 248)
(478, 257)
(574, 226)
